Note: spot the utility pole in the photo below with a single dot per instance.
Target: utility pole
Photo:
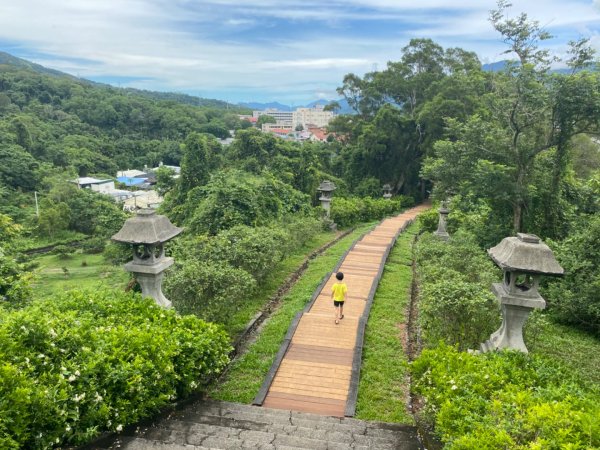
(37, 207)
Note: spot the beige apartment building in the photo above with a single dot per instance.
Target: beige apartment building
(306, 117)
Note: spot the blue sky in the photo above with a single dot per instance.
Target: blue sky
(292, 51)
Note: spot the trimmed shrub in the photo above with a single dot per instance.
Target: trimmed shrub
(503, 400)
(82, 363)
(63, 251)
(346, 212)
(210, 290)
(93, 245)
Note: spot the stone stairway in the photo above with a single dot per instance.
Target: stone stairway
(222, 425)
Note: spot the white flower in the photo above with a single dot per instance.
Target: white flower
(77, 373)
(68, 428)
(63, 369)
(193, 385)
(119, 427)
(98, 398)
(454, 387)
(72, 378)
(78, 398)
(57, 440)
(486, 376)
(53, 333)
(41, 355)
(27, 360)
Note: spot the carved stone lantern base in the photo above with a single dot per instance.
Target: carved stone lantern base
(150, 279)
(515, 310)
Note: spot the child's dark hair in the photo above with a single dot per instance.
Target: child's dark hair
(339, 276)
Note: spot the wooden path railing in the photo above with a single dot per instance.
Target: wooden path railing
(317, 368)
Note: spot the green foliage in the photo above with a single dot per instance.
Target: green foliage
(455, 301)
(212, 290)
(502, 400)
(63, 251)
(265, 118)
(81, 363)
(238, 198)
(93, 245)
(15, 282)
(346, 212)
(215, 275)
(575, 299)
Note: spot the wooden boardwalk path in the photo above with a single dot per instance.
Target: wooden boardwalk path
(317, 368)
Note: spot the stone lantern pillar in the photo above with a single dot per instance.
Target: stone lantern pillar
(148, 232)
(326, 189)
(442, 221)
(523, 259)
(387, 191)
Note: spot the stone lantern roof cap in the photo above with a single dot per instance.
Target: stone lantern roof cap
(387, 187)
(327, 186)
(147, 227)
(525, 253)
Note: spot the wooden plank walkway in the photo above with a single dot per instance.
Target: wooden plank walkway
(318, 366)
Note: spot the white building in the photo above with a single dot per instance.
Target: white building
(96, 185)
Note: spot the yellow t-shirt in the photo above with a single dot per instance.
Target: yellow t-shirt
(339, 291)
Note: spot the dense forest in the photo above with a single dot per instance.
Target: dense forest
(514, 150)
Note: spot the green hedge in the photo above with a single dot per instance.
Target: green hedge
(82, 363)
(456, 304)
(346, 212)
(215, 275)
(505, 400)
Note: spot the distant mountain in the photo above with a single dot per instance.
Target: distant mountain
(495, 66)
(345, 108)
(10, 60)
(256, 106)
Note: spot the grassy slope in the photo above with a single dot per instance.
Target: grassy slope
(50, 277)
(248, 372)
(383, 388)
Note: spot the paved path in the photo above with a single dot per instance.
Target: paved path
(318, 367)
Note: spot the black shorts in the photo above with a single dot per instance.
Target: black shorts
(338, 303)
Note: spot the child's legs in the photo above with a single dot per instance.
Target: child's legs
(341, 310)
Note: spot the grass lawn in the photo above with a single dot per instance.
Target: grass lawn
(51, 278)
(247, 373)
(384, 384)
(577, 350)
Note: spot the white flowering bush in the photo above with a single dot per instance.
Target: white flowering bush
(74, 366)
(504, 400)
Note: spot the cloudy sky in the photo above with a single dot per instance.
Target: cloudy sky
(292, 51)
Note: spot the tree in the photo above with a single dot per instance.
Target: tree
(527, 113)
(164, 180)
(265, 118)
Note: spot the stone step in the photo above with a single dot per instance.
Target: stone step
(224, 425)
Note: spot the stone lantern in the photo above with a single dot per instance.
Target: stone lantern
(523, 259)
(443, 220)
(148, 232)
(387, 191)
(326, 189)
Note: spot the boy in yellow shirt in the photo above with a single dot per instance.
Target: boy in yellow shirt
(339, 293)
